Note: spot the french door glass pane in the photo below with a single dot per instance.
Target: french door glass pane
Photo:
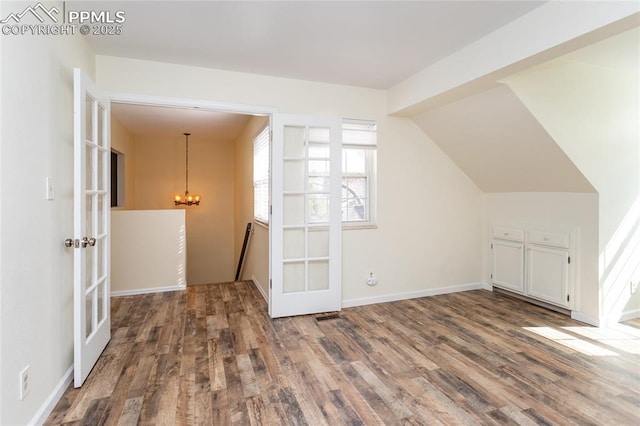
(319, 151)
(293, 277)
(294, 175)
(319, 243)
(318, 275)
(319, 135)
(89, 313)
(318, 208)
(293, 213)
(89, 215)
(318, 184)
(101, 214)
(102, 163)
(89, 259)
(100, 140)
(319, 167)
(294, 243)
(89, 167)
(101, 310)
(294, 141)
(89, 118)
(100, 256)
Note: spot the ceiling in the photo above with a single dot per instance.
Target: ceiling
(160, 121)
(372, 44)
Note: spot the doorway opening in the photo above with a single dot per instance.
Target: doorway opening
(149, 132)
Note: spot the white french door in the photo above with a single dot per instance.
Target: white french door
(91, 207)
(306, 222)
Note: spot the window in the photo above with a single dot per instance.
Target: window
(261, 176)
(359, 139)
(117, 179)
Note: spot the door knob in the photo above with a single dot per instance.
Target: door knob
(88, 242)
(68, 242)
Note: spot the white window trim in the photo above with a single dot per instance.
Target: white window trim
(372, 174)
(257, 220)
(371, 195)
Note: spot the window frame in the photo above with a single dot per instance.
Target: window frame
(266, 180)
(370, 152)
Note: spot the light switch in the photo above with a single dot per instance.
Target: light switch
(50, 189)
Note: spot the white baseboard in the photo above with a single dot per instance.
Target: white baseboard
(629, 315)
(260, 289)
(579, 316)
(50, 403)
(147, 290)
(413, 294)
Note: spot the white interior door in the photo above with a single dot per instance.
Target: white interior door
(306, 222)
(91, 288)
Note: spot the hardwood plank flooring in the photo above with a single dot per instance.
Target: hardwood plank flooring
(212, 356)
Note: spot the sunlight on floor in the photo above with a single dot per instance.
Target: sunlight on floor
(594, 341)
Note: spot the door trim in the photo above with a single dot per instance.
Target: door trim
(126, 98)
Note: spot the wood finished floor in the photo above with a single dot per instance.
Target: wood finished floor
(212, 356)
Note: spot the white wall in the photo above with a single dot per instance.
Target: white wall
(429, 219)
(429, 231)
(589, 102)
(562, 212)
(36, 312)
(148, 251)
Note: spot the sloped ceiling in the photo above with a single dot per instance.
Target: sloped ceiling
(499, 144)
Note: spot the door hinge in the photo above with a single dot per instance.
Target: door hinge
(569, 259)
(270, 209)
(491, 276)
(270, 283)
(492, 246)
(567, 297)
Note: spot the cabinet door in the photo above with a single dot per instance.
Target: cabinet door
(507, 266)
(548, 274)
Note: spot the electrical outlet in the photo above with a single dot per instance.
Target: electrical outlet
(634, 286)
(25, 382)
(372, 280)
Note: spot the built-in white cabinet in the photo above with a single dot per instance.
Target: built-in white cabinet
(508, 264)
(532, 262)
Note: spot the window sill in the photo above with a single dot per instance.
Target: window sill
(260, 223)
(347, 226)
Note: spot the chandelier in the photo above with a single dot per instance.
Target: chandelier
(187, 199)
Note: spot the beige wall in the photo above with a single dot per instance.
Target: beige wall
(429, 233)
(256, 261)
(160, 174)
(36, 274)
(122, 141)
